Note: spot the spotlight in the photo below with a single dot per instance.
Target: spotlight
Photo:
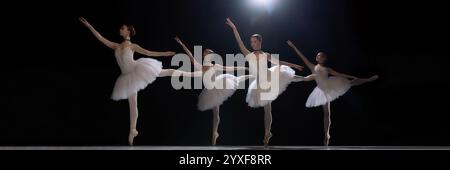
(267, 5)
(263, 2)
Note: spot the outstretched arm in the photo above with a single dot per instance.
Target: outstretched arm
(227, 68)
(300, 54)
(143, 51)
(244, 49)
(335, 73)
(197, 65)
(279, 62)
(102, 39)
(307, 78)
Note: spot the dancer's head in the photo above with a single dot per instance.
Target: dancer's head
(127, 31)
(256, 41)
(207, 59)
(321, 57)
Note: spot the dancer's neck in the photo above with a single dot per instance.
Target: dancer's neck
(127, 39)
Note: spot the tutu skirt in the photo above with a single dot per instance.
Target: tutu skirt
(327, 91)
(254, 98)
(141, 73)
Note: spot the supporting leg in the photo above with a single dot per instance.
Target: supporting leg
(216, 121)
(132, 100)
(326, 122)
(267, 123)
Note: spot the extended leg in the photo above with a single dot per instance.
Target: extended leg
(178, 73)
(362, 81)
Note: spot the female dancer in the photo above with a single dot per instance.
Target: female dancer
(136, 74)
(328, 88)
(213, 96)
(258, 62)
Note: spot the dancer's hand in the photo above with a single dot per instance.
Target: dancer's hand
(289, 42)
(85, 22)
(178, 40)
(230, 23)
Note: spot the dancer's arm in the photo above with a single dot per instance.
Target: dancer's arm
(300, 54)
(244, 49)
(143, 51)
(335, 73)
(197, 65)
(102, 39)
(310, 77)
(279, 62)
(227, 68)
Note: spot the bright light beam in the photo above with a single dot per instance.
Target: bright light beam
(267, 4)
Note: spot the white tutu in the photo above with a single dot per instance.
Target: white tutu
(209, 98)
(136, 74)
(286, 75)
(328, 90)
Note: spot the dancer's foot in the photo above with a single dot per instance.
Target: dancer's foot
(373, 78)
(326, 140)
(214, 138)
(267, 139)
(131, 136)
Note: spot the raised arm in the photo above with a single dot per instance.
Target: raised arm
(300, 54)
(102, 39)
(143, 51)
(244, 49)
(279, 62)
(197, 65)
(335, 73)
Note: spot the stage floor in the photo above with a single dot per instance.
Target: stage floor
(224, 148)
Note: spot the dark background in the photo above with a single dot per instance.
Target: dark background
(59, 78)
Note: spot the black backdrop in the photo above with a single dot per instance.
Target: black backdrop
(59, 78)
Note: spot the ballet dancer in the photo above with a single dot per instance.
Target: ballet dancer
(328, 88)
(136, 74)
(212, 97)
(258, 62)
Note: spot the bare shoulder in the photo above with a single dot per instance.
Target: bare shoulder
(330, 70)
(134, 46)
(315, 66)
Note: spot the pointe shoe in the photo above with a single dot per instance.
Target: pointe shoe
(131, 136)
(214, 138)
(267, 139)
(326, 141)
